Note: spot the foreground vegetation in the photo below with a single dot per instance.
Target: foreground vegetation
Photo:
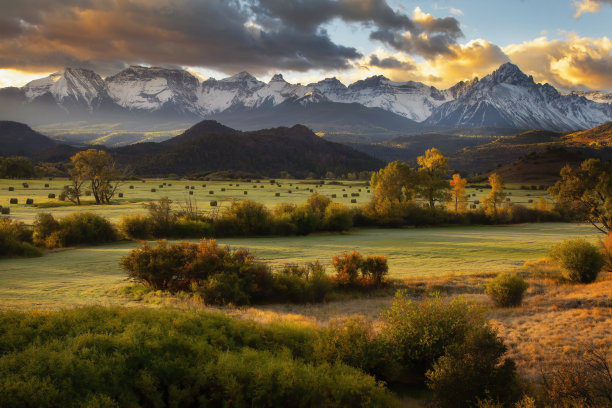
(95, 356)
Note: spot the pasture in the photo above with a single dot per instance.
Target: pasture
(137, 192)
(89, 275)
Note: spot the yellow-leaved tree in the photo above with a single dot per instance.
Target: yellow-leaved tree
(496, 197)
(458, 198)
(432, 184)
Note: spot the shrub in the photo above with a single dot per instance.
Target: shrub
(301, 284)
(376, 268)
(318, 204)
(218, 274)
(579, 260)
(506, 289)
(347, 267)
(247, 218)
(189, 228)
(74, 229)
(135, 226)
(161, 217)
(337, 217)
(473, 370)
(304, 220)
(16, 240)
(416, 334)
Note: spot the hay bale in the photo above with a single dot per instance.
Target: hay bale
(190, 192)
(193, 187)
(344, 195)
(47, 185)
(5, 211)
(223, 189)
(153, 190)
(333, 195)
(246, 192)
(25, 185)
(29, 201)
(277, 195)
(353, 200)
(11, 189)
(211, 192)
(51, 195)
(120, 195)
(131, 187)
(213, 203)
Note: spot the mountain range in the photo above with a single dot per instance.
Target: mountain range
(208, 147)
(376, 106)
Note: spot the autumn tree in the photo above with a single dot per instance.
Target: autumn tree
(587, 189)
(394, 183)
(458, 198)
(496, 196)
(432, 184)
(97, 167)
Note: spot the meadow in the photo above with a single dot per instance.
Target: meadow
(90, 275)
(270, 194)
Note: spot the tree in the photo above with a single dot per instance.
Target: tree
(432, 185)
(394, 183)
(98, 167)
(458, 197)
(589, 190)
(496, 196)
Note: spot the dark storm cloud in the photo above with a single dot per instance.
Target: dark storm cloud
(227, 35)
(427, 36)
(390, 63)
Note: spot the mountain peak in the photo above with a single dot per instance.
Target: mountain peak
(278, 78)
(510, 74)
(241, 76)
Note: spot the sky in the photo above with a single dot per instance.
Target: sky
(567, 43)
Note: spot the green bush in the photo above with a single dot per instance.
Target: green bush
(135, 226)
(506, 289)
(473, 370)
(302, 284)
(16, 240)
(141, 357)
(337, 217)
(579, 260)
(416, 334)
(248, 218)
(188, 228)
(73, 229)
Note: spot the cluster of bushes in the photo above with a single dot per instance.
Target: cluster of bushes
(220, 275)
(18, 168)
(394, 213)
(75, 229)
(355, 270)
(16, 240)
(95, 357)
(241, 218)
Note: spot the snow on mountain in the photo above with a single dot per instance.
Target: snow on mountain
(151, 89)
(73, 86)
(509, 98)
(505, 98)
(412, 100)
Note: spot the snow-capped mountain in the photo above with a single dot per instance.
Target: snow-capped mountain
(506, 98)
(72, 88)
(155, 89)
(509, 98)
(412, 100)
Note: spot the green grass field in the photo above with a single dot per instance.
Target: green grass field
(88, 275)
(264, 192)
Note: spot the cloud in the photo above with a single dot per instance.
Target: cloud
(588, 6)
(224, 35)
(473, 59)
(568, 63)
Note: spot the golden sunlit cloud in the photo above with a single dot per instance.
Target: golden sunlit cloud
(586, 6)
(473, 59)
(13, 77)
(573, 62)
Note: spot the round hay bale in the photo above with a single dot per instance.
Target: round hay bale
(14, 201)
